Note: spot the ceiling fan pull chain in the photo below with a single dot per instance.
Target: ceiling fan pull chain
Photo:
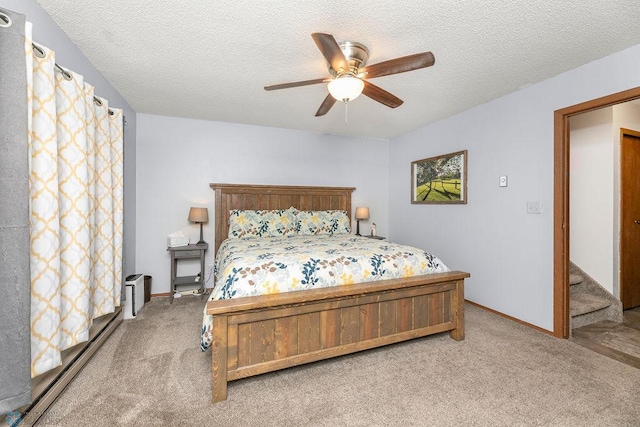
(346, 114)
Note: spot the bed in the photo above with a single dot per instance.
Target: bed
(252, 335)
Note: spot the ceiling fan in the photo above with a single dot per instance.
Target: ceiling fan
(349, 73)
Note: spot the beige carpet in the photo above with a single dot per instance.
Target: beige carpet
(151, 372)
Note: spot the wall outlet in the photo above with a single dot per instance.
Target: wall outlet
(533, 208)
(503, 181)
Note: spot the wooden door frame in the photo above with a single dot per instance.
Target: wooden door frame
(561, 202)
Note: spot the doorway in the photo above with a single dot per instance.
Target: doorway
(561, 203)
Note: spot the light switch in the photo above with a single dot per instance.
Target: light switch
(503, 181)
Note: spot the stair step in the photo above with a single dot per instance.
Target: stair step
(583, 303)
(574, 279)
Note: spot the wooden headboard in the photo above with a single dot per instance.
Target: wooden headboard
(239, 196)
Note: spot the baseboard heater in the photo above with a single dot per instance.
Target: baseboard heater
(48, 386)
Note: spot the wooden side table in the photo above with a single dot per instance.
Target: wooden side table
(186, 282)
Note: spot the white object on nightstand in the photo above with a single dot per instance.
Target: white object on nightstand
(177, 239)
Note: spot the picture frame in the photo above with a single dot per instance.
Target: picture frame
(440, 179)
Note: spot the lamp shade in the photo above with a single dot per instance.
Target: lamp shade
(199, 215)
(362, 213)
(346, 88)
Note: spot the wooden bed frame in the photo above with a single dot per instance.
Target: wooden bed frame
(255, 335)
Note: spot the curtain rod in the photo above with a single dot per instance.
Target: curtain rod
(40, 53)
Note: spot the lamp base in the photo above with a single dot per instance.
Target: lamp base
(358, 228)
(201, 238)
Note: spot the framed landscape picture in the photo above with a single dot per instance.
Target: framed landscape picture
(440, 179)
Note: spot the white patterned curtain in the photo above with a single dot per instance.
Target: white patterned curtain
(76, 204)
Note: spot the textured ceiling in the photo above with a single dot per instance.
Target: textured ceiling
(211, 59)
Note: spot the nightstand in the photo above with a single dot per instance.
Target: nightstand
(183, 283)
(374, 237)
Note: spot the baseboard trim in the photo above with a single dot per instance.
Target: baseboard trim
(506, 316)
(164, 294)
(46, 394)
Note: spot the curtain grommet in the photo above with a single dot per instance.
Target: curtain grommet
(38, 51)
(5, 20)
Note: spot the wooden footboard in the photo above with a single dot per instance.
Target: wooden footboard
(255, 335)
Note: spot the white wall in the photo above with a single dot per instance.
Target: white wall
(47, 33)
(595, 190)
(178, 159)
(508, 252)
(626, 116)
(592, 195)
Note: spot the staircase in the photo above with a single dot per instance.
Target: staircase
(589, 302)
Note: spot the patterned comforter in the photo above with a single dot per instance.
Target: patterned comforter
(258, 266)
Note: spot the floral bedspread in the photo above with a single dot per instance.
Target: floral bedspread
(259, 266)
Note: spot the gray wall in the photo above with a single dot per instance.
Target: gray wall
(508, 252)
(47, 32)
(179, 158)
(15, 278)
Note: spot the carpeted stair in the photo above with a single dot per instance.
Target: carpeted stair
(589, 302)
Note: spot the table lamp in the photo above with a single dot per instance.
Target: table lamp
(361, 213)
(199, 216)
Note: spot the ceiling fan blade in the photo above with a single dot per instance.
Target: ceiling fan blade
(326, 105)
(331, 51)
(399, 65)
(381, 95)
(295, 84)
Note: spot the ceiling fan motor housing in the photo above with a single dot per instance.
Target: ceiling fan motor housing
(356, 54)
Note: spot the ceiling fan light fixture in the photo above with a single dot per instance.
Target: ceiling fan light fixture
(346, 88)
